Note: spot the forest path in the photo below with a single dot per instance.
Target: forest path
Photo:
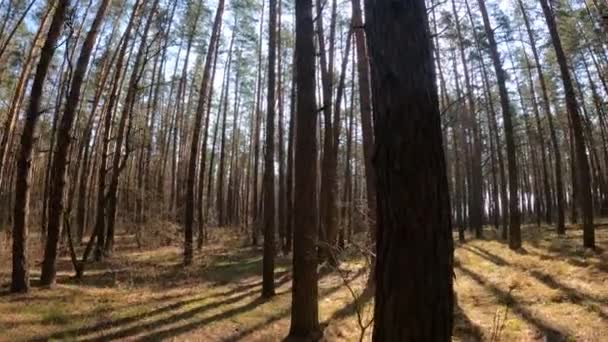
(554, 291)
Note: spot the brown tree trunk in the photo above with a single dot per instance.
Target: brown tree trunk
(584, 177)
(20, 271)
(559, 187)
(99, 231)
(201, 176)
(476, 209)
(120, 160)
(414, 231)
(191, 180)
(18, 96)
(268, 184)
(514, 215)
(290, 162)
(304, 305)
(60, 157)
(365, 108)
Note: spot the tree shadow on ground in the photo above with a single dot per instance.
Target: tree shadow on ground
(121, 325)
(464, 328)
(219, 269)
(573, 294)
(323, 292)
(549, 331)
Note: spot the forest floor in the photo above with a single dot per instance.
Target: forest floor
(551, 290)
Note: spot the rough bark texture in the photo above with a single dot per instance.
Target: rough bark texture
(413, 229)
(304, 306)
(59, 164)
(20, 273)
(269, 207)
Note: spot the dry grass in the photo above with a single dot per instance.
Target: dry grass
(552, 289)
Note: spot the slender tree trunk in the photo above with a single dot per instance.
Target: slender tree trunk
(514, 214)
(476, 210)
(365, 108)
(584, 177)
(120, 161)
(559, 187)
(201, 176)
(269, 158)
(191, 180)
(290, 161)
(100, 222)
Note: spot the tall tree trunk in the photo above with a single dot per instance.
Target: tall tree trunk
(221, 199)
(256, 137)
(290, 161)
(304, 305)
(414, 232)
(476, 209)
(100, 221)
(584, 177)
(365, 108)
(269, 200)
(20, 272)
(559, 187)
(201, 176)
(191, 180)
(514, 214)
(60, 157)
(120, 161)
(18, 96)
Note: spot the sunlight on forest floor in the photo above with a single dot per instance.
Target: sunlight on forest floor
(551, 289)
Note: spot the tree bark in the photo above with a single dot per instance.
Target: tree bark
(414, 226)
(20, 271)
(304, 305)
(514, 214)
(269, 200)
(559, 187)
(60, 157)
(583, 173)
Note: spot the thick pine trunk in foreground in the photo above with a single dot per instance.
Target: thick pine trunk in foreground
(413, 217)
(20, 273)
(304, 305)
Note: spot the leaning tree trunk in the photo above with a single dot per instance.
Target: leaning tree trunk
(584, 177)
(514, 215)
(20, 273)
(119, 161)
(414, 225)
(559, 185)
(17, 99)
(191, 180)
(60, 157)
